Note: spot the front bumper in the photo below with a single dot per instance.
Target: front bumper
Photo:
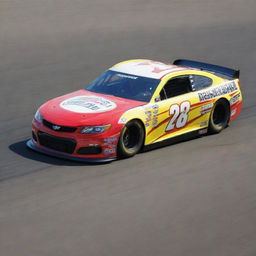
(74, 145)
(30, 144)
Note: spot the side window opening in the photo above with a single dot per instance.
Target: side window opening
(199, 82)
(163, 95)
(175, 87)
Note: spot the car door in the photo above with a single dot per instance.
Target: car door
(177, 112)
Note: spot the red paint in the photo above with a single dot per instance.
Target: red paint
(54, 113)
(236, 107)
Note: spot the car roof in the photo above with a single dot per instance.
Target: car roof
(147, 68)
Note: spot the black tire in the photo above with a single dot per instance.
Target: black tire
(219, 116)
(131, 139)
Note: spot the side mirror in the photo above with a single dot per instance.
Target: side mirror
(157, 99)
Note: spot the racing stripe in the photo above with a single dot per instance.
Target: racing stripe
(161, 123)
(200, 104)
(233, 93)
(176, 129)
(192, 107)
(163, 112)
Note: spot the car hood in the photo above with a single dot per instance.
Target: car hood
(82, 108)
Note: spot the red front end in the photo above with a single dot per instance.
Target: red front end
(74, 143)
(59, 132)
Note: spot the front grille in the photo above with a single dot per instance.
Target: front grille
(58, 128)
(92, 150)
(64, 145)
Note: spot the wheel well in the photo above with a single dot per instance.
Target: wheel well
(224, 99)
(228, 103)
(144, 129)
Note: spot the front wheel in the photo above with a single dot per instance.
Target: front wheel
(219, 116)
(131, 139)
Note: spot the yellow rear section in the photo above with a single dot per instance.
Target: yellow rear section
(164, 119)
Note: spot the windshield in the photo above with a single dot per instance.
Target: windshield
(124, 86)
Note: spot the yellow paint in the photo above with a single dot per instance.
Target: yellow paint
(196, 120)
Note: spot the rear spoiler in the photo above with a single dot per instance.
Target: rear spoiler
(218, 70)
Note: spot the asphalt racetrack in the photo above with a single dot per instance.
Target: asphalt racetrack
(195, 198)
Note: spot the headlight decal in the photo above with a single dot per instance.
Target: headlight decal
(95, 129)
(38, 117)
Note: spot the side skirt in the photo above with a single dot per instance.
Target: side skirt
(176, 139)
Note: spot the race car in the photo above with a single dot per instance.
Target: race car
(135, 105)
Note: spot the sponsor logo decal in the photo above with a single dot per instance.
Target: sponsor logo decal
(207, 106)
(203, 131)
(218, 91)
(204, 123)
(205, 111)
(127, 76)
(154, 123)
(109, 151)
(151, 115)
(234, 99)
(111, 139)
(87, 104)
(122, 120)
(233, 112)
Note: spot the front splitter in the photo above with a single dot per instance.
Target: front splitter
(30, 144)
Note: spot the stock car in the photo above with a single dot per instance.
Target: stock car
(134, 105)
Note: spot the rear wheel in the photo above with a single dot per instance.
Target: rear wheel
(131, 139)
(219, 116)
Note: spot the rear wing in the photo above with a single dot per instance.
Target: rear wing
(218, 70)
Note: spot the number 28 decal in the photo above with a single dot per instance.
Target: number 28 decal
(179, 115)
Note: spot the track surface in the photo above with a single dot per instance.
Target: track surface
(193, 198)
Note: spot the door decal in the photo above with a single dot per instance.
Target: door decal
(179, 115)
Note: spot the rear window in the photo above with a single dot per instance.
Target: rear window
(200, 82)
